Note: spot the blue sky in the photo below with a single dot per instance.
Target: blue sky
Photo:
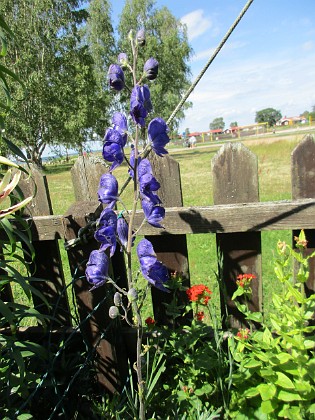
(268, 61)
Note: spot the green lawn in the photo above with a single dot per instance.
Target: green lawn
(274, 180)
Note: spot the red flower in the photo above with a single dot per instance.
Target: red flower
(149, 321)
(243, 333)
(243, 280)
(200, 315)
(199, 293)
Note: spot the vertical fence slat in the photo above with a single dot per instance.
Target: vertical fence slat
(235, 180)
(111, 349)
(171, 250)
(47, 264)
(303, 186)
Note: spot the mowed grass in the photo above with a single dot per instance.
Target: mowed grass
(273, 156)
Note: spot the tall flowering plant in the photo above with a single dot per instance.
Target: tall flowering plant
(113, 229)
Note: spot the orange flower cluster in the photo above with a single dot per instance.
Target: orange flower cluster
(149, 321)
(243, 280)
(200, 315)
(243, 333)
(199, 293)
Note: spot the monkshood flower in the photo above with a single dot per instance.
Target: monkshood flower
(154, 213)
(152, 270)
(122, 231)
(151, 68)
(106, 230)
(157, 133)
(146, 97)
(148, 184)
(122, 60)
(113, 147)
(119, 121)
(116, 77)
(138, 111)
(96, 271)
(140, 37)
(108, 190)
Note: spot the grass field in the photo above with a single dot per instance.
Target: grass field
(273, 156)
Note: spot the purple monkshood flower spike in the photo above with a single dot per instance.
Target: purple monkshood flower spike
(119, 121)
(116, 77)
(157, 133)
(147, 182)
(153, 213)
(138, 111)
(108, 190)
(152, 270)
(106, 230)
(96, 271)
(151, 68)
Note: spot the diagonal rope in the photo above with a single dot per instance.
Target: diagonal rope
(209, 62)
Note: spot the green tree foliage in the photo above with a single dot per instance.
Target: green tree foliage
(217, 123)
(166, 41)
(57, 106)
(234, 124)
(269, 115)
(99, 36)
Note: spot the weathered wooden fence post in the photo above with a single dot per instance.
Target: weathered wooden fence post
(110, 349)
(173, 250)
(235, 180)
(47, 264)
(303, 186)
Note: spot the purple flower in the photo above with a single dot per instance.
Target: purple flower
(138, 111)
(108, 190)
(113, 147)
(119, 121)
(147, 182)
(96, 271)
(152, 269)
(151, 68)
(106, 230)
(140, 37)
(146, 97)
(157, 132)
(154, 213)
(122, 60)
(122, 230)
(116, 77)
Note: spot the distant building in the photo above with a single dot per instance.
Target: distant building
(291, 120)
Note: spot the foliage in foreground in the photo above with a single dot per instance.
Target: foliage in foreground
(194, 370)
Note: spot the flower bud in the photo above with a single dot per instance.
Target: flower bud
(122, 60)
(116, 77)
(117, 299)
(151, 68)
(132, 294)
(140, 37)
(113, 312)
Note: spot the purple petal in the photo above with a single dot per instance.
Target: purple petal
(157, 132)
(97, 269)
(116, 77)
(108, 191)
(153, 213)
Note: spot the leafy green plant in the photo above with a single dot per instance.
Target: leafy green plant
(275, 365)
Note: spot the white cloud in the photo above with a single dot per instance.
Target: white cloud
(308, 46)
(197, 23)
(237, 90)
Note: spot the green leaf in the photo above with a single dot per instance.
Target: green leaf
(251, 392)
(288, 396)
(255, 316)
(268, 406)
(284, 381)
(267, 391)
(252, 363)
(25, 416)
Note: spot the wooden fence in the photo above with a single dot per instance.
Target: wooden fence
(236, 218)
